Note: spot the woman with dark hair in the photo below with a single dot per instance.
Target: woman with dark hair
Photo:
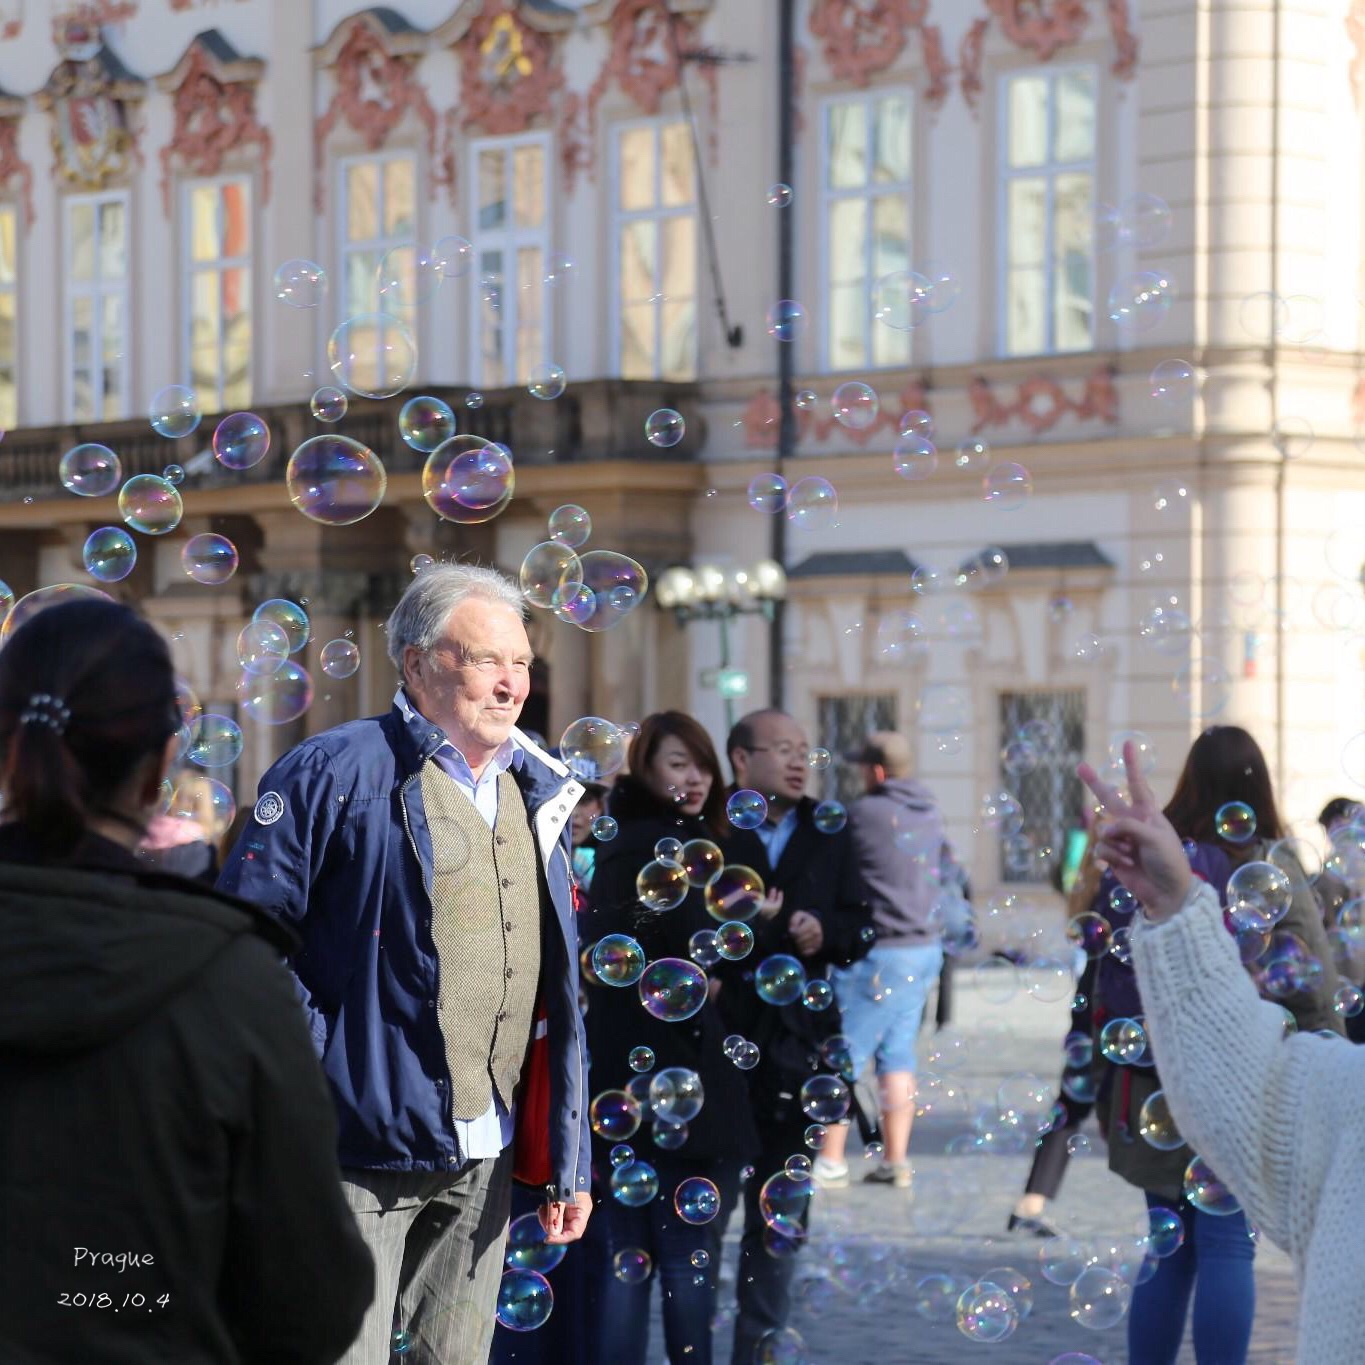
(168, 1138)
(1224, 810)
(673, 790)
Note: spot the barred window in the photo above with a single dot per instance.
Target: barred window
(1042, 738)
(844, 723)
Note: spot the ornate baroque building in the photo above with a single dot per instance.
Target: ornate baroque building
(611, 164)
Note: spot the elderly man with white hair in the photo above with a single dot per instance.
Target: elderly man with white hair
(423, 857)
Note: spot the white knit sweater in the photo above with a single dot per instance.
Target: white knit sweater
(1280, 1120)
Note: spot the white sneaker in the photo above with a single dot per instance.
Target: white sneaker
(830, 1175)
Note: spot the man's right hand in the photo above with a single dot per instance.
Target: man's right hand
(770, 906)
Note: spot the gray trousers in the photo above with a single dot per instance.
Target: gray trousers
(437, 1241)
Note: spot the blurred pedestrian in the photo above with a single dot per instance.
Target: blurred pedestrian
(674, 790)
(901, 851)
(169, 1143)
(424, 857)
(817, 912)
(182, 840)
(591, 804)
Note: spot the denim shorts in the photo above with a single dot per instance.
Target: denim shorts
(881, 1000)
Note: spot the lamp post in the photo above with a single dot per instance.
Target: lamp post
(708, 592)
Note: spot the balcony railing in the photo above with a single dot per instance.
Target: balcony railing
(601, 419)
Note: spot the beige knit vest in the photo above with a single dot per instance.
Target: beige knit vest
(486, 921)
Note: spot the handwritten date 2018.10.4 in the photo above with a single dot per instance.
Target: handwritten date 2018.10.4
(131, 1302)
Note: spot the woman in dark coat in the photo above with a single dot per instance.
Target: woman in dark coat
(169, 1188)
(673, 790)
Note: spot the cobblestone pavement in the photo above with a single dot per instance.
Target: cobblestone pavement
(881, 1241)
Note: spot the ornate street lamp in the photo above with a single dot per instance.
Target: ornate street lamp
(708, 592)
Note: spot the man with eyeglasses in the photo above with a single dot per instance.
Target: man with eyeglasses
(815, 911)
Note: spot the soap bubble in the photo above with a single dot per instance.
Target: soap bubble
(334, 480)
(1172, 381)
(806, 399)
(546, 382)
(734, 941)
(275, 698)
(604, 829)
(700, 1258)
(746, 809)
(825, 1098)
(986, 1313)
(204, 800)
(672, 989)
(1138, 302)
(109, 554)
(454, 255)
(424, 423)
(209, 558)
(787, 320)
(1235, 822)
(818, 995)
(784, 1204)
(702, 860)
(745, 1055)
(780, 979)
(660, 885)
(819, 760)
(1007, 486)
(473, 400)
(550, 574)
(973, 455)
(936, 1296)
(174, 412)
(468, 480)
(779, 195)
(527, 1248)
(1123, 1041)
(405, 277)
(149, 504)
(830, 817)
(373, 355)
(701, 948)
(1090, 933)
(664, 427)
(328, 404)
(340, 658)
(1099, 1298)
(615, 1115)
(812, 504)
(696, 1200)
(241, 440)
(1061, 1259)
(1205, 1192)
(1145, 221)
(618, 960)
(901, 299)
(634, 1184)
(631, 1265)
(90, 470)
(613, 586)
(1164, 1231)
(1259, 895)
(300, 283)
(289, 617)
(641, 1059)
(735, 894)
(914, 457)
(855, 405)
(768, 493)
(592, 748)
(525, 1300)
(798, 1166)
(1202, 687)
(569, 525)
(262, 646)
(215, 742)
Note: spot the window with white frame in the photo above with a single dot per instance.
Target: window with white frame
(1048, 190)
(218, 291)
(378, 228)
(865, 226)
(95, 252)
(511, 216)
(9, 338)
(654, 194)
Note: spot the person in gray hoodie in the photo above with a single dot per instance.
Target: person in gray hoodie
(902, 855)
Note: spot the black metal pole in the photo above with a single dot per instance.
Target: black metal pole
(786, 289)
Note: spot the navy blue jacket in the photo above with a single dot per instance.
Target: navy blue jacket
(339, 849)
